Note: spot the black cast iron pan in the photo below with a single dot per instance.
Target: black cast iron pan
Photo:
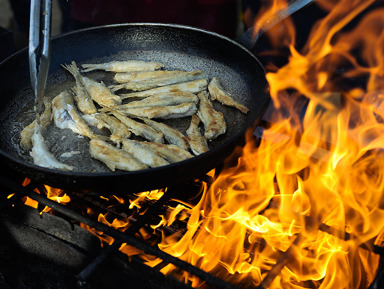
(178, 47)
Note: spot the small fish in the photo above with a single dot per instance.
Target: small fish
(83, 100)
(170, 152)
(65, 115)
(119, 131)
(155, 79)
(44, 119)
(194, 86)
(138, 76)
(214, 123)
(114, 158)
(92, 119)
(218, 93)
(144, 154)
(123, 66)
(161, 99)
(98, 91)
(164, 112)
(140, 129)
(173, 136)
(41, 155)
(197, 142)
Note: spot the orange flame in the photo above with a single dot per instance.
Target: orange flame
(57, 195)
(298, 207)
(122, 223)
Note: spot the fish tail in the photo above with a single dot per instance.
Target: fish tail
(73, 69)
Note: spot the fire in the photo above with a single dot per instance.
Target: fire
(136, 207)
(54, 194)
(300, 207)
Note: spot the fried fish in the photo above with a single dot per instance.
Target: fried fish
(164, 112)
(213, 120)
(146, 80)
(194, 86)
(65, 115)
(119, 131)
(98, 91)
(161, 99)
(173, 136)
(83, 100)
(143, 153)
(197, 142)
(218, 93)
(44, 119)
(114, 158)
(41, 155)
(170, 152)
(140, 129)
(123, 66)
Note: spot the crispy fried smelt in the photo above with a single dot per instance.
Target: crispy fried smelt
(164, 112)
(123, 66)
(218, 93)
(45, 119)
(139, 76)
(194, 86)
(161, 99)
(140, 129)
(154, 79)
(197, 142)
(65, 115)
(213, 120)
(114, 158)
(119, 131)
(143, 153)
(98, 91)
(83, 100)
(41, 155)
(170, 152)
(92, 120)
(173, 136)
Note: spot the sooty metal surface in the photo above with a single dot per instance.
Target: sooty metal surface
(47, 252)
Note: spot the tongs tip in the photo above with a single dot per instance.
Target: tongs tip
(39, 48)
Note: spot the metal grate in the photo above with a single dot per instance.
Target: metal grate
(133, 268)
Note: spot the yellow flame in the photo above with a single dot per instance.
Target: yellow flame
(303, 201)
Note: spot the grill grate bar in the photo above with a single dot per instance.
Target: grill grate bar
(117, 235)
(110, 250)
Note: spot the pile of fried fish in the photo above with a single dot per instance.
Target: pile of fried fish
(154, 94)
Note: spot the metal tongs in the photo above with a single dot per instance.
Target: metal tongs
(39, 48)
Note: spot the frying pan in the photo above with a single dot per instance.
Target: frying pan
(177, 47)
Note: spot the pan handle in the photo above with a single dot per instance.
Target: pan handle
(249, 38)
